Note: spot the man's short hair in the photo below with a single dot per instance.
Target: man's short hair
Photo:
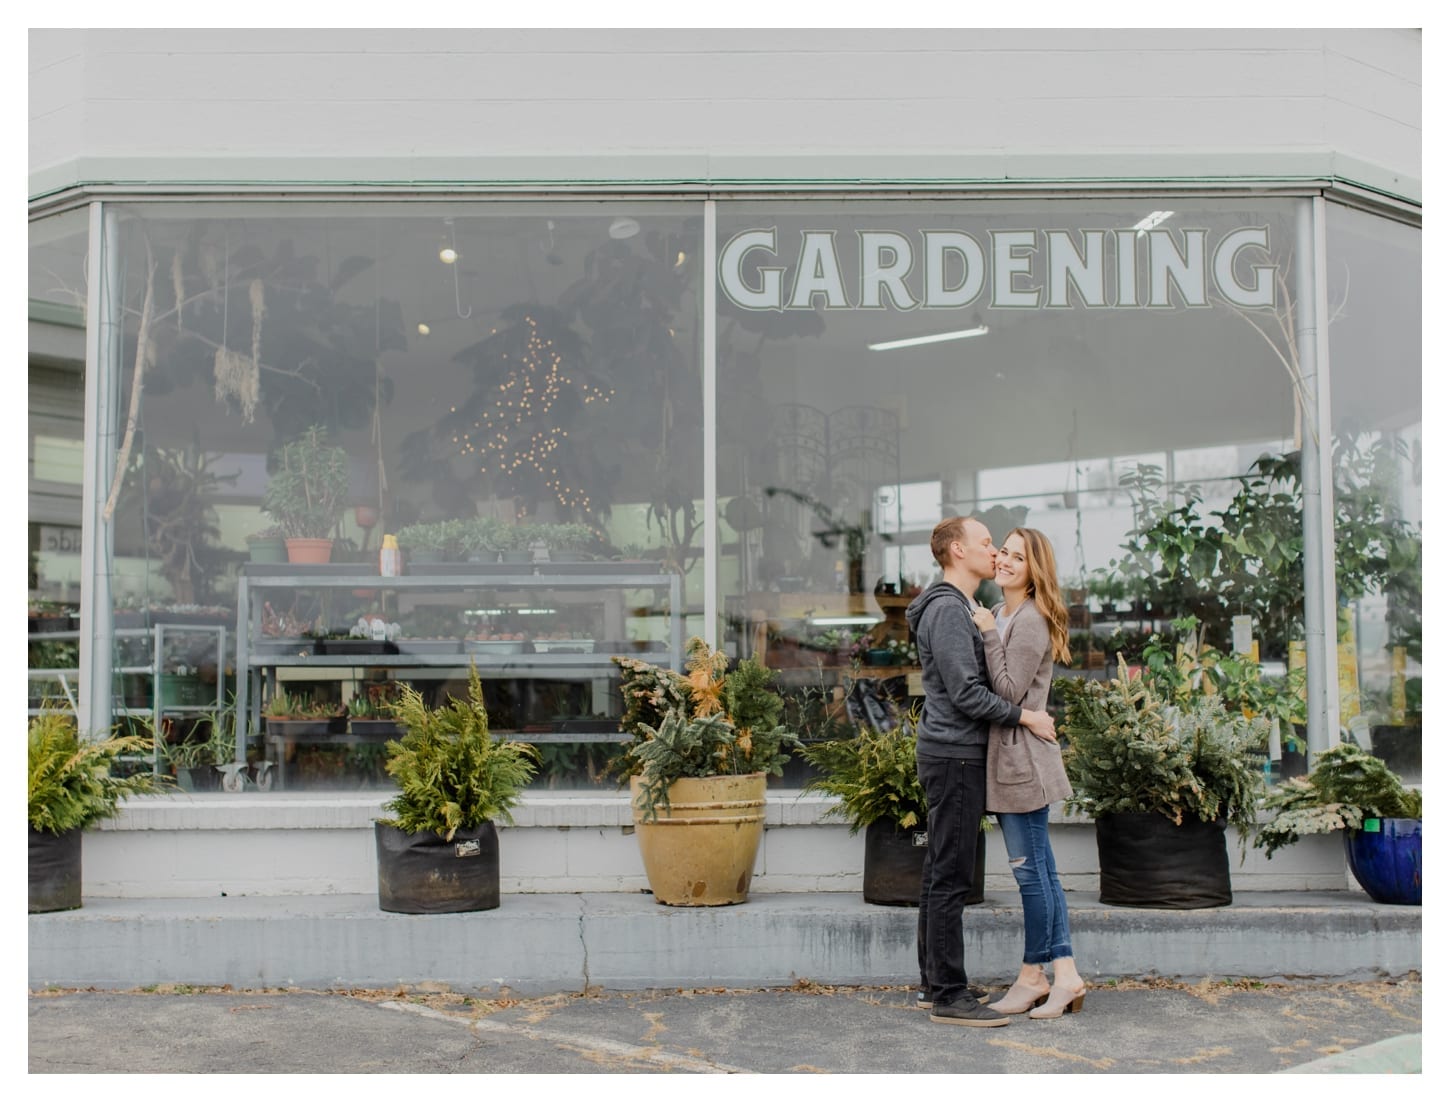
(953, 528)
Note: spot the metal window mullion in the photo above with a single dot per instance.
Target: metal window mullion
(103, 343)
(712, 511)
(1317, 477)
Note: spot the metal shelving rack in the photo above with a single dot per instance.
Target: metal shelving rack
(257, 672)
(158, 633)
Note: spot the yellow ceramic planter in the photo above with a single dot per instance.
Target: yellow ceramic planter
(700, 852)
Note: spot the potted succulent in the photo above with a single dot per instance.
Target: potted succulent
(1162, 783)
(438, 852)
(1350, 789)
(296, 716)
(267, 545)
(306, 494)
(703, 741)
(370, 712)
(70, 788)
(874, 776)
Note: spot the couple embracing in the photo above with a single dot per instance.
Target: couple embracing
(985, 743)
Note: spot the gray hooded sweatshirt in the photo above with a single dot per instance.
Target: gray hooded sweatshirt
(960, 704)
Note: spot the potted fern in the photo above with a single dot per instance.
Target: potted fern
(438, 852)
(1350, 789)
(71, 788)
(1162, 784)
(874, 777)
(703, 745)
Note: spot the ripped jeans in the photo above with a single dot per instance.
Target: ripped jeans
(1044, 909)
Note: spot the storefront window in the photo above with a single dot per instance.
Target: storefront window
(56, 423)
(1375, 371)
(516, 381)
(1086, 368)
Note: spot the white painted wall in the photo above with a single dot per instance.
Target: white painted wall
(421, 105)
(201, 846)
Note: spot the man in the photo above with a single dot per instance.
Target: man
(951, 759)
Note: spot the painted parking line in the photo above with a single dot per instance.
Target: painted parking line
(618, 1050)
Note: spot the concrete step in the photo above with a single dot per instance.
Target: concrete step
(549, 943)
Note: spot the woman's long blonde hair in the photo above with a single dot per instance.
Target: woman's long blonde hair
(1042, 587)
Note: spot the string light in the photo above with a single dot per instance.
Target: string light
(534, 385)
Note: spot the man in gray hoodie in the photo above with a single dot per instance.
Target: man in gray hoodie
(951, 761)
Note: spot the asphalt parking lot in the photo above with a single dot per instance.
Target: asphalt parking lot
(1153, 1027)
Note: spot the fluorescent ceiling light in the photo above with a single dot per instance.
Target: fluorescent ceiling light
(1156, 218)
(843, 621)
(932, 338)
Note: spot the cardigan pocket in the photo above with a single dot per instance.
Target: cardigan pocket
(1014, 759)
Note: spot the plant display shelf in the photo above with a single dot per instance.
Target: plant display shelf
(157, 709)
(606, 586)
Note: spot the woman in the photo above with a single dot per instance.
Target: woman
(1022, 636)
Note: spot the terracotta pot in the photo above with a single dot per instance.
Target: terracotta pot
(365, 515)
(308, 550)
(700, 851)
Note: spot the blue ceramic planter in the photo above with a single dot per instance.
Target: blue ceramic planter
(1386, 862)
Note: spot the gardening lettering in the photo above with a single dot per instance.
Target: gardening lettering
(1013, 269)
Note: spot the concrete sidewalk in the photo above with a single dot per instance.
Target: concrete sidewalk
(1126, 1027)
(550, 944)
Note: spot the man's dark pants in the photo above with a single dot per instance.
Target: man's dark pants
(956, 797)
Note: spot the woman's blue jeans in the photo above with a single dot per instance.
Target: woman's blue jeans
(1044, 909)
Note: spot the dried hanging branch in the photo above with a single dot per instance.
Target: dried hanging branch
(1283, 341)
(143, 351)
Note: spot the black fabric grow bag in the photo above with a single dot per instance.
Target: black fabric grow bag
(55, 871)
(892, 873)
(421, 874)
(1144, 860)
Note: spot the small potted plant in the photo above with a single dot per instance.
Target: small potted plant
(874, 776)
(1162, 784)
(267, 545)
(703, 741)
(438, 850)
(421, 543)
(306, 494)
(568, 542)
(370, 711)
(478, 539)
(297, 716)
(516, 542)
(71, 788)
(1350, 789)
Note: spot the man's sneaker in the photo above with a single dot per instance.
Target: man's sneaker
(968, 1011)
(923, 996)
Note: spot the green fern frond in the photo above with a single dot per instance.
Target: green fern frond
(452, 773)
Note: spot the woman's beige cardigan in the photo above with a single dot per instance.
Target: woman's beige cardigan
(1024, 772)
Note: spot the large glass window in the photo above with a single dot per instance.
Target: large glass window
(55, 438)
(506, 381)
(1105, 372)
(1375, 373)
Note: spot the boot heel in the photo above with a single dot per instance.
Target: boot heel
(1074, 1006)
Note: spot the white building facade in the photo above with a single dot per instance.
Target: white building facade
(755, 307)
